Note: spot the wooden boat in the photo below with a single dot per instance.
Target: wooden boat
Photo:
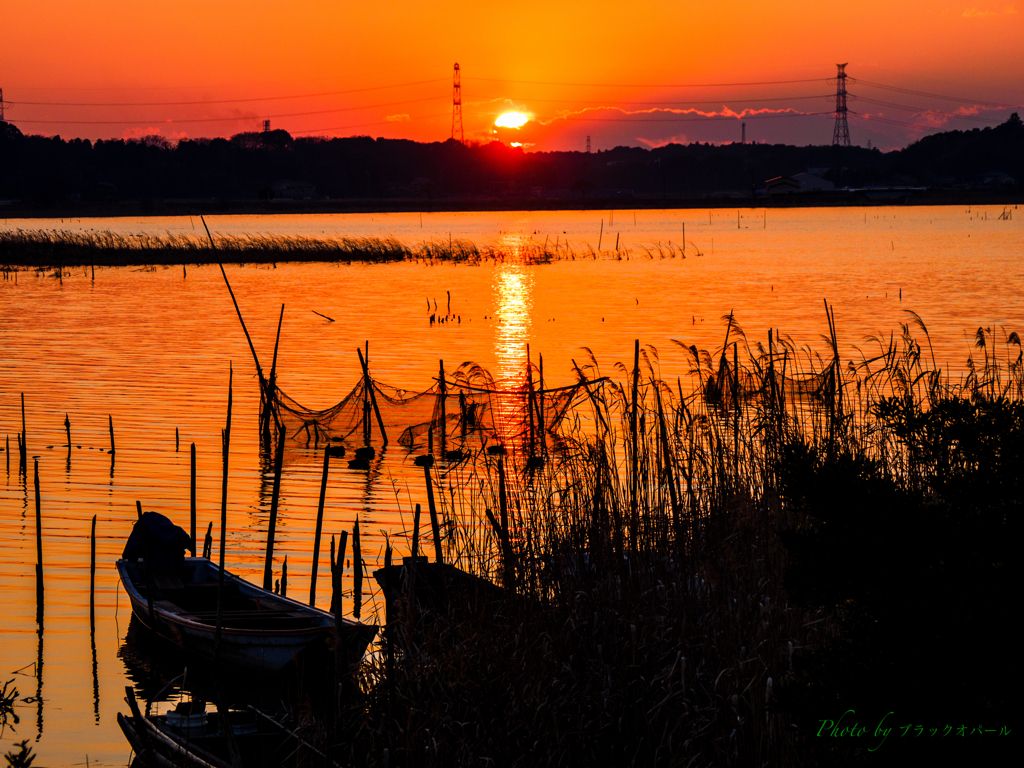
(435, 585)
(260, 629)
(191, 736)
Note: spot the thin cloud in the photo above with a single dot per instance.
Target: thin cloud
(402, 118)
(725, 112)
(678, 138)
(140, 133)
(976, 13)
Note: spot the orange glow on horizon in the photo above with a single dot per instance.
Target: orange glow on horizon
(197, 69)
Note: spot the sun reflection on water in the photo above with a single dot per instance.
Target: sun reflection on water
(513, 292)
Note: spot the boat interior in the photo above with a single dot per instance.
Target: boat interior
(192, 589)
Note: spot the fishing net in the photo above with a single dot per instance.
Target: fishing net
(465, 411)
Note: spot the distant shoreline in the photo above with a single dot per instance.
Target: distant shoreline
(879, 197)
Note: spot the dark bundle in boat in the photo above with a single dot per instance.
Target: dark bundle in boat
(177, 597)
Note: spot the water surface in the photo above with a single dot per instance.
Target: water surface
(151, 349)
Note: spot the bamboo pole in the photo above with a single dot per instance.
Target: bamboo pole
(434, 524)
(268, 562)
(252, 349)
(192, 499)
(24, 438)
(339, 570)
(365, 363)
(39, 541)
(443, 394)
(634, 488)
(416, 533)
(226, 452)
(543, 426)
(319, 528)
(271, 403)
(340, 670)
(92, 575)
(110, 422)
(529, 399)
(357, 571)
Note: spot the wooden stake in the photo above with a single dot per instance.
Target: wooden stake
(226, 452)
(24, 438)
(110, 421)
(443, 394)
(416, 533)
(39, 540)
(357, 571)
(92, 575)
(633, 415)
(175, 439)
(192, 499)
(435, 526)
(340, 670)
(339, 570)
(268, 562)
(365, 363)
(319, 528)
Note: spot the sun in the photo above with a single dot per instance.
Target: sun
(512, 120)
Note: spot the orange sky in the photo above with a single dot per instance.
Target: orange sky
(557, 61)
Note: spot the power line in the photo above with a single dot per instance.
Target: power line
(679, 102)
(889, 121)
(951, 115)
(221, 101)
(229, 119)
(687, 119)
(960, 99)
(648, 85)
(364, 125)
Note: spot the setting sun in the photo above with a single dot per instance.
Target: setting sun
(512, 120)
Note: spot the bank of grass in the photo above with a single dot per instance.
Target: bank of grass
(795, 538)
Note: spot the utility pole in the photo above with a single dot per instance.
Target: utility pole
(841, 133)
(457, 107)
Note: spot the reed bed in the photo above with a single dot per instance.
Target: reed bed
(662, 602)
(56, 249)
(45, 249)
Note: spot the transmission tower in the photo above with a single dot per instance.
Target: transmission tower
(1, 105)
(588, 145)
(457, 107)
(841, 133)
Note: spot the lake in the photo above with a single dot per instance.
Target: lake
(150, 349)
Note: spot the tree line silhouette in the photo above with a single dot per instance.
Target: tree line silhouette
(49, 172)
